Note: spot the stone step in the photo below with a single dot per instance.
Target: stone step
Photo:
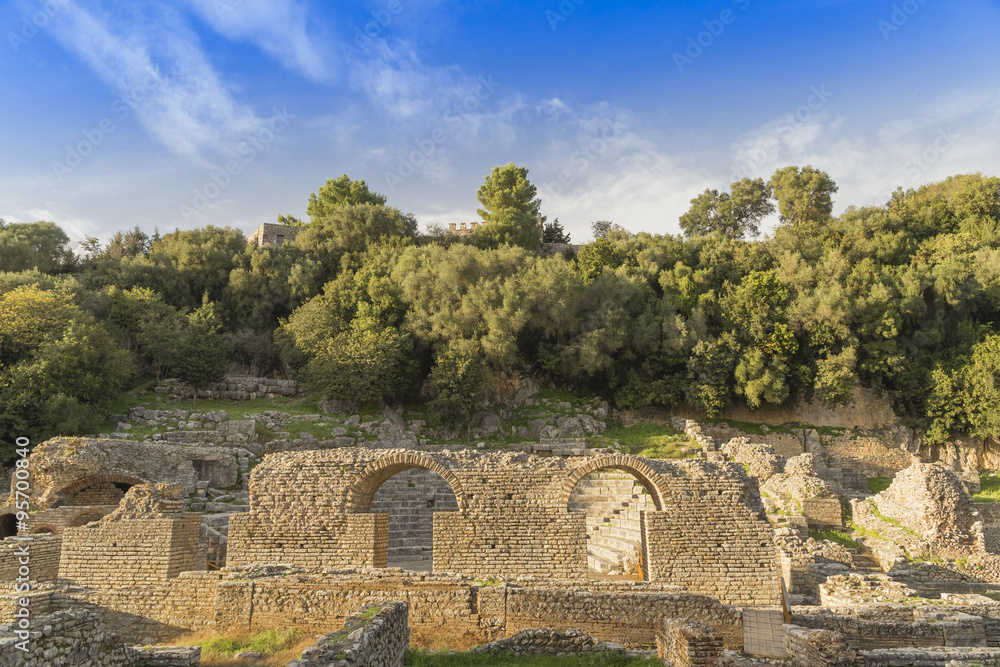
(608, 554)
(632, 534)
(602, 566)
(614, 544)
(864, 563)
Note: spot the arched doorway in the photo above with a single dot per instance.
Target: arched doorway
(411, 498)
(410, 489)
(8, 526)
(96, 490)
(43, 530)
(613, 492)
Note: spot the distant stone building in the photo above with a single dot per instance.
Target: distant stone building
(274, 234)
(463, 228)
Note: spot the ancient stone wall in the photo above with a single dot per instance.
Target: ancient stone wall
(312, 509)
(869, 629)
(548, 641)
(376, 637)
(70, 639)
(270, 233)
(867, 455)
(684, 643)
(938, 657)
(817, 648)
(39, 553)
(930, 499)
(129, 552)
(232, 388)
(59, 519)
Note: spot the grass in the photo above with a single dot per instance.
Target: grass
(866, 532)
(648, 440)
(838, 536)
(878, 484)
(892, 521)
(279, 647)
(432, 659)
(990, 481)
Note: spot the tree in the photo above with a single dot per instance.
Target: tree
(356, 227)
(601, 228)
(366, 363)
(31, 317)
(507, 187)
(735, 215)
(509, 226)
(804, 195)
(553, 232)
(460, 381)
(27, 245)
(133, 243)
(202, 351)
(336, 193)
(594, 257)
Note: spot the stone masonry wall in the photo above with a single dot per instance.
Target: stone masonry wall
(232, 388)
(376, 637)
(684, 643)
(312, 509)
(42, 557)
(817, 648)
(130, 552)
(70, 639)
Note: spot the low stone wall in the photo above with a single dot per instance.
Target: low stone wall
(39, 553)
(879, 629)
(377, 637)
(232, 388)
(817, 648)
(684, 643)
(822, 513)
(940, 657)
(867, 455)
(64, 639)
(547, 641)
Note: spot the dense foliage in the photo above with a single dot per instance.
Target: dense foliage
(903, 298)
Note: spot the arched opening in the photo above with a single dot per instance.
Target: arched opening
(411, 498)
(84, 519)
(8, 526)
(43, 530)
(96, 490)
(410, 488)
(613, 501)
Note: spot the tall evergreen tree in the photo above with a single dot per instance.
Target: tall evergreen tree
(202, 359)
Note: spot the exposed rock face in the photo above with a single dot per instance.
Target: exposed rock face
(147, 501)
(760, 461)
(58, 464)
(930, 499)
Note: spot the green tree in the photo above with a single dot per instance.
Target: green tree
(509, 226)
(201, 358)
(460, 381)
(27, 245)
(804, 195)
(365, 363)
(553, 232)
(356, 227)
(507, 187)
(593, 258)
(735, 215)
(336, 193)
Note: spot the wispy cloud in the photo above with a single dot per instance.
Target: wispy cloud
(278, 27)
(154, 62)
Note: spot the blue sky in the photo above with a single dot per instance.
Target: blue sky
(228, 112)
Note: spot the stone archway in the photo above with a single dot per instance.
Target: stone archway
(648, 477)
(8, 526)
(122, 482)
(362, 493)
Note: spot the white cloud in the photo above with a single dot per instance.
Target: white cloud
(156, 66)
(278, 27)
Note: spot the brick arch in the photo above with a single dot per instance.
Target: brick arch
(648, 477)
(81, 484)
(362, 493)
(43, 530)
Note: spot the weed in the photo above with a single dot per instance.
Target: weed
(838, 536)
(990, 481)
(878, 484)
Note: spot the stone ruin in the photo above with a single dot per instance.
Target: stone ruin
(514, 548)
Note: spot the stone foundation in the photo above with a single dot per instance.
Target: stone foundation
(377, 637)
(685, 643)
